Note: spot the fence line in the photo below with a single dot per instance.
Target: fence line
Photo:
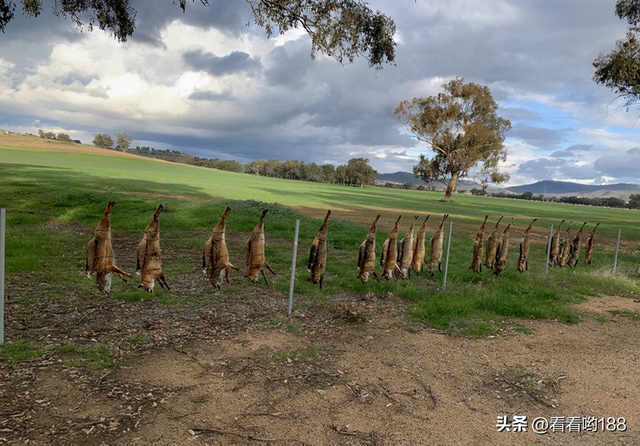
(446, 265)
(546, 270)
(293, 266)
(615, 262)
(3, 224)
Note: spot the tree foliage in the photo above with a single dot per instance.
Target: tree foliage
(462, 127)
(343, 29)
(124, 141)
(103, 141)
(620, 69)
(51, 135)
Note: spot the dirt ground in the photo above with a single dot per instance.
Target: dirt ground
(343, 372)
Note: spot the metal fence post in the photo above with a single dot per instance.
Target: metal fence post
(3, 227)
(615, 262)
(293, 266)
(446, 265)
(546, 270)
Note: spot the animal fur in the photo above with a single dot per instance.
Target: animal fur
(149, 255)
(215, 258)
(523, 259)
(492, 246)
(318, 255)
(256, 260)
(100, 258)
(419, 249)
(503, 250)
(478, 245)
(590, 245)
(405, 251)
(367, 254)
(435, 263)
(389, 257)
(565, 248)
(554, 253)
(576, 246)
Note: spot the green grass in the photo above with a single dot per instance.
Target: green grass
(95, 357)
(602, 319)
(626, 313)
(54, 201)
(19, 350)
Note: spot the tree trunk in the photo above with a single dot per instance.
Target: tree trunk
(451, 187)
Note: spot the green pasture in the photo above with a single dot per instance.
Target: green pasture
(54, 201)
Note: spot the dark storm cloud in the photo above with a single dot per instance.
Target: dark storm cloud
(572, 151)
(557, 169)
(539, 168)
(624, 165)
(538, 136)
(208, 96)
(229, 16)
(220, 65)
(316, 110)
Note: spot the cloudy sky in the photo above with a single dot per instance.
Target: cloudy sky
(207, 83)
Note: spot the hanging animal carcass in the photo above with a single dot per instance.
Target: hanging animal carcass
(405, 251)
(565, 247)
(576, 246)
(389, 256)
(149, 255)
(367, 254)
(554, 253)
(215, 258)
(478, 245)
(492, 246)
(256, 260)
(503, 250)
(435, 262)
(419, 248)
(318, 254)
(100, 258)
(590, 245)
(523, 259)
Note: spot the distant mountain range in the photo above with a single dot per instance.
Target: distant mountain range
(547, 187)
(560, 188)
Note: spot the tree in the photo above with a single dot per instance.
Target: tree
(63, 137)
(634, 201)
(329, 171)
(343, 29)
(462, 127)
(356, 172)
(620, 69)
(255, 167)
(103, 141)
(124, 141)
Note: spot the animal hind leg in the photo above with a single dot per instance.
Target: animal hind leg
(269, 267)
(163, 282)
(321, 279)
(265, 277)
(120, 273)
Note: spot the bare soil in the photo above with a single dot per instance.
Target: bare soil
(345, 372)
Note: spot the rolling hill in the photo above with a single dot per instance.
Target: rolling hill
(564, 188)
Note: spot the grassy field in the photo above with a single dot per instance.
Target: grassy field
(56, 197)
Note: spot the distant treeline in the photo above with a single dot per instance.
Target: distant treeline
(56, 137)
(611, 202)
(356, 172)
